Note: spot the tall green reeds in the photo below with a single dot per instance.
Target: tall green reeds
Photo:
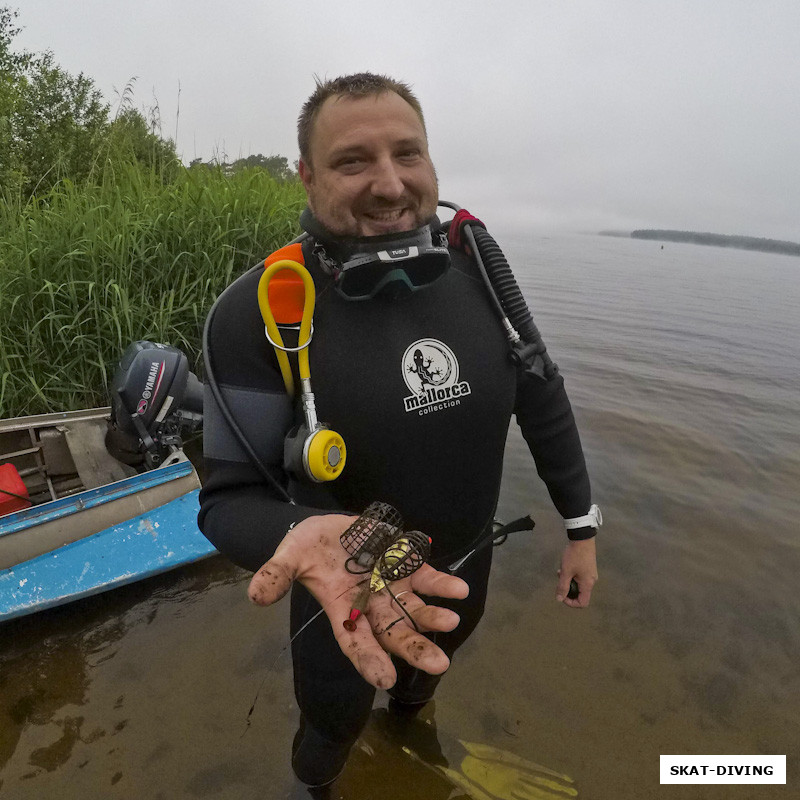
(89, 268)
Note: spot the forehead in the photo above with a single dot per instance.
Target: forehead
(344, 122)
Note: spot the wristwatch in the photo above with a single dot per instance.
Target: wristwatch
(592, 520)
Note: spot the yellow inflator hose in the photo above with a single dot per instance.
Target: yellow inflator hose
(323, 450)
(304, 337)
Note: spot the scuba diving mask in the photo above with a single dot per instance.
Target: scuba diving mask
(391, 265)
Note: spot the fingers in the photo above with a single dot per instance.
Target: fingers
(386, 629)
(420, 652)
(367, 656)
(429, 618)
(308, 553)
(434, 618)
(581, 601)
(271, 582)
(399, 623)
(579, 562)
(369, 650)
(429, 581)
(562, 588)
(401, 640)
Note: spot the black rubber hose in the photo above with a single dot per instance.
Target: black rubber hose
(211, 381)
(510, 296)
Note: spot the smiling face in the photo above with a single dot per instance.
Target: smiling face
(369, 172)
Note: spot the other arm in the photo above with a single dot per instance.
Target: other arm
(545, 417)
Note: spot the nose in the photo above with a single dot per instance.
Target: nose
(386, 180)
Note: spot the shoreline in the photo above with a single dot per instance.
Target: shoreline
(713, 240)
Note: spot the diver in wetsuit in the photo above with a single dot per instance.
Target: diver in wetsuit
(419, 385)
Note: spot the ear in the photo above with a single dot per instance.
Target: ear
(304, 171)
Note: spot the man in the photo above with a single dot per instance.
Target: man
(367, 172)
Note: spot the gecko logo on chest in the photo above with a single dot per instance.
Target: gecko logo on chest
(430, 371)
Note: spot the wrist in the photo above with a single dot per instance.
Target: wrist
(581, 534)
(585, 527)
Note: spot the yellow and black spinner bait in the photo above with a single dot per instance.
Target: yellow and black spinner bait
(378, 546)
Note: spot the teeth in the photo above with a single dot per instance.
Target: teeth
(387, 216)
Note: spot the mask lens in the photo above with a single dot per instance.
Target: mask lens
(366, 280)
(360, 282)
(425, 269)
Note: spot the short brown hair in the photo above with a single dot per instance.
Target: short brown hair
(361, 84)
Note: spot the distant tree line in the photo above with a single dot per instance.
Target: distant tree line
(721, 240)
(276, 166)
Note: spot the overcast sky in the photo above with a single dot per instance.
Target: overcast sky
(584, 114)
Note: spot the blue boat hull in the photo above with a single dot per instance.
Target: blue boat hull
(159, 540)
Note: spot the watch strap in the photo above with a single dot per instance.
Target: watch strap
(594, 519)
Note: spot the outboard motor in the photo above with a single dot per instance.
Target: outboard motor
(155, 402)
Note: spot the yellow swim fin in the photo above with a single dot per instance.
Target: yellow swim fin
(488, 773)
(478, 771)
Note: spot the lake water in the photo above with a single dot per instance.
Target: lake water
(681, 364)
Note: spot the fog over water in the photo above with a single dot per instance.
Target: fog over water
(579, 115)
(681, 366)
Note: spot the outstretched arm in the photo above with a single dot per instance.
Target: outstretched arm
(548, 425)
(312, 554)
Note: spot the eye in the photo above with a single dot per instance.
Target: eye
(350, 164)
(410, 154)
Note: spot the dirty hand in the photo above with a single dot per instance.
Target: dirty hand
(579, 562)
(312, 554)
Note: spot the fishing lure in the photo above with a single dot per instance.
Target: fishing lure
(377, 546)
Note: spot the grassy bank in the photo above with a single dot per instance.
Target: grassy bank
(86, 270)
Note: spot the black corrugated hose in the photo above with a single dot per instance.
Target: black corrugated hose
(533, 351)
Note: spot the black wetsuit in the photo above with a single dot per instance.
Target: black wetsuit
(422, 391)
